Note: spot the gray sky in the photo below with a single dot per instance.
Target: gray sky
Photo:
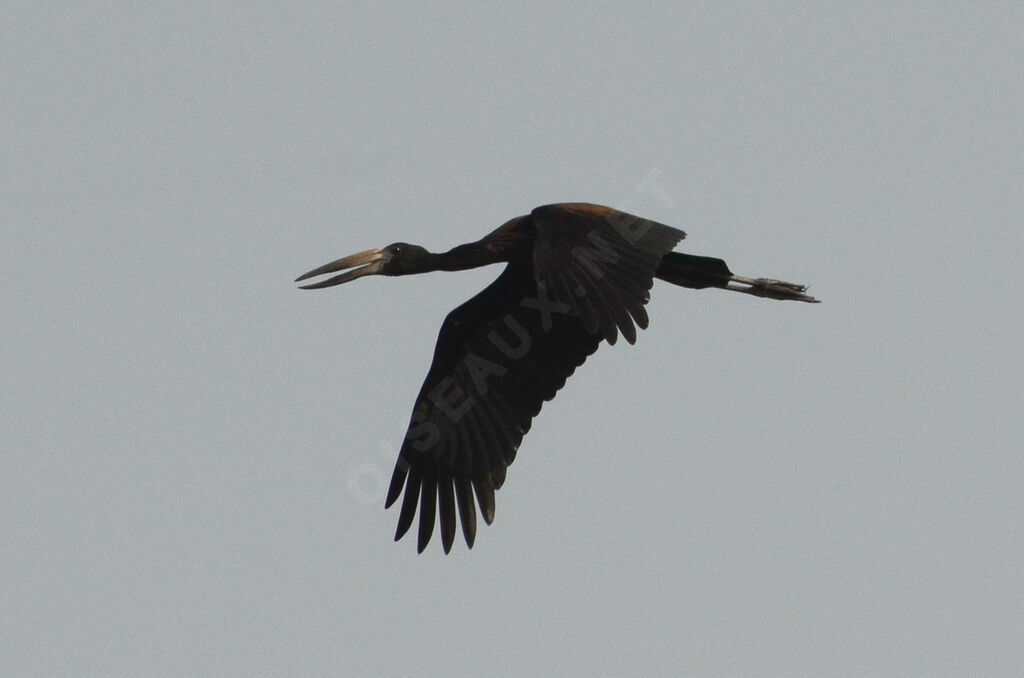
(194, 451)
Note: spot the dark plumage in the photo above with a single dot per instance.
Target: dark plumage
(576, 274)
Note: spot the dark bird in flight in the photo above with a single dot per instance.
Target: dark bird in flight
(575, 274)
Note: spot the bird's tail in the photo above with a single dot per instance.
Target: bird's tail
(692, 271)
(689, 270)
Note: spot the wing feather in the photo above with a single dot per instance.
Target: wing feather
(428, 503)
(467, 509)
(587, 278)
(446, 509)
(601, 261)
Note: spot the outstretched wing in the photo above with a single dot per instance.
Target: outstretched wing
(509, 349)
(498, 357)
(601, 262)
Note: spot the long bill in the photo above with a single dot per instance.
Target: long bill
(370, 262)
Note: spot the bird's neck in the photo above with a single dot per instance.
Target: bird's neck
(463, 257)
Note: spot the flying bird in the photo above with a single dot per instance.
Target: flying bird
(575, 274)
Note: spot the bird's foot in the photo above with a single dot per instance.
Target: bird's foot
(772, 289)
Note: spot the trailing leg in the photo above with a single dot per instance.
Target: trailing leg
(697, 272)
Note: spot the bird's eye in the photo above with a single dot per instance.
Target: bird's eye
(397, 249)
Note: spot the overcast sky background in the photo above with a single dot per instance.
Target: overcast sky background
(194, 452)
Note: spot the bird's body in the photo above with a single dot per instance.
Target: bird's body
(576, 274)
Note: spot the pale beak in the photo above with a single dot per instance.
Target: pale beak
(369, 262)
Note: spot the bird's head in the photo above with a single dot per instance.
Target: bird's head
(398, 258)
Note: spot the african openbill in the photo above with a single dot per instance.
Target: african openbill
(576, 274)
